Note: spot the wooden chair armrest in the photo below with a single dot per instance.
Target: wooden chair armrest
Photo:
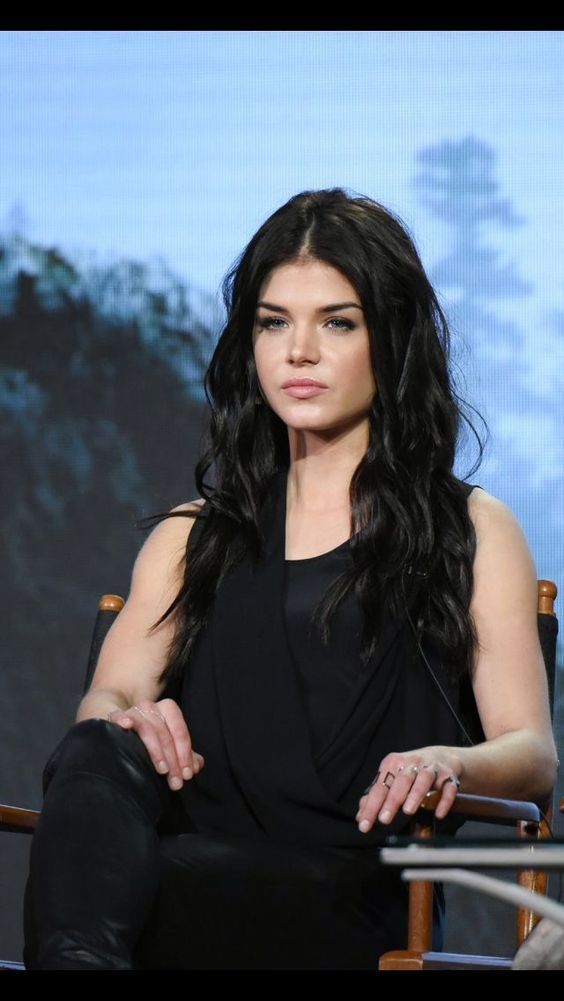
(487, 809)
(17, 819)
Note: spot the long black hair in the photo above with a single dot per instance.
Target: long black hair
(409, 511)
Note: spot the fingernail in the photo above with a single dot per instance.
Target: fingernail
(163, 767)
(187, 772)
(385, 817)
(175, 783)
(364, 825)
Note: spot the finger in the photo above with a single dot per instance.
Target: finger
(433, 776)
(167, 739)
(401, 787)
(382, 778)
(189, 758)
(386, 796)
(425, 780)
(371, 803)
(450, 790)
(189, 762)
(373, 797)
(133, 719)
(155, 734)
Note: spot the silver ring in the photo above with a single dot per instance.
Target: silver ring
(453, 778)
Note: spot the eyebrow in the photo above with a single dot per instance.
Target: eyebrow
(323, 309)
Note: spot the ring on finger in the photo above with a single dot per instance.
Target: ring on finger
(453, 778)
(388, 775)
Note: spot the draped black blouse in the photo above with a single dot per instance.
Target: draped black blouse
(293, 732)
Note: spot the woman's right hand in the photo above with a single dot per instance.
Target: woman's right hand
(162, 728)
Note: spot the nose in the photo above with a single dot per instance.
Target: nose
(303, 344)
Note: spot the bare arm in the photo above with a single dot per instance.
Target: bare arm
(125, 683)
(518, 758)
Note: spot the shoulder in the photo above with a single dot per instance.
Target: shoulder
(494, 522)
(162, 557)
(483, 507)
(192, 507)
(505, 574)
(176, 527)
(179, 521)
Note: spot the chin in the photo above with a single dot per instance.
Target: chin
(315, 427)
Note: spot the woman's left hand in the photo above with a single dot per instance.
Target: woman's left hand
(404, 779)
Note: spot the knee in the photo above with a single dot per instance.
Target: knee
(94, 750)
(98, 747)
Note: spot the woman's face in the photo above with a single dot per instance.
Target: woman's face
(310, 326)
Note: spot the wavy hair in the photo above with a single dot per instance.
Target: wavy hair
(408, 509)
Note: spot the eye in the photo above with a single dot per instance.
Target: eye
(269, 322)
(341, 323)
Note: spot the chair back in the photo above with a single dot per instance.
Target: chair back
(548, 633)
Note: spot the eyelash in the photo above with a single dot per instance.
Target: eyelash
(264, 324)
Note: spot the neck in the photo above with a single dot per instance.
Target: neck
(320, 471)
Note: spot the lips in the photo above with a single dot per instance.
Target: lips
(303, 382)
(302, 389)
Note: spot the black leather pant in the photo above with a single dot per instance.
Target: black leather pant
(95, 854)
(120, 879)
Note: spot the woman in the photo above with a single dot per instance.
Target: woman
(343, 623)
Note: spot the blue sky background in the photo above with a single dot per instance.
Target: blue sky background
(179, 144)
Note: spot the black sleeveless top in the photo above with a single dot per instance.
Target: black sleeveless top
(327, 675)
(293, 732)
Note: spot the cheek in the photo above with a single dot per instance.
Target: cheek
(264, 368)
(257, 355)
(361, 372)
(266, 357)
(259, 362)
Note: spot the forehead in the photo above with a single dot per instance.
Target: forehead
(309, 280)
